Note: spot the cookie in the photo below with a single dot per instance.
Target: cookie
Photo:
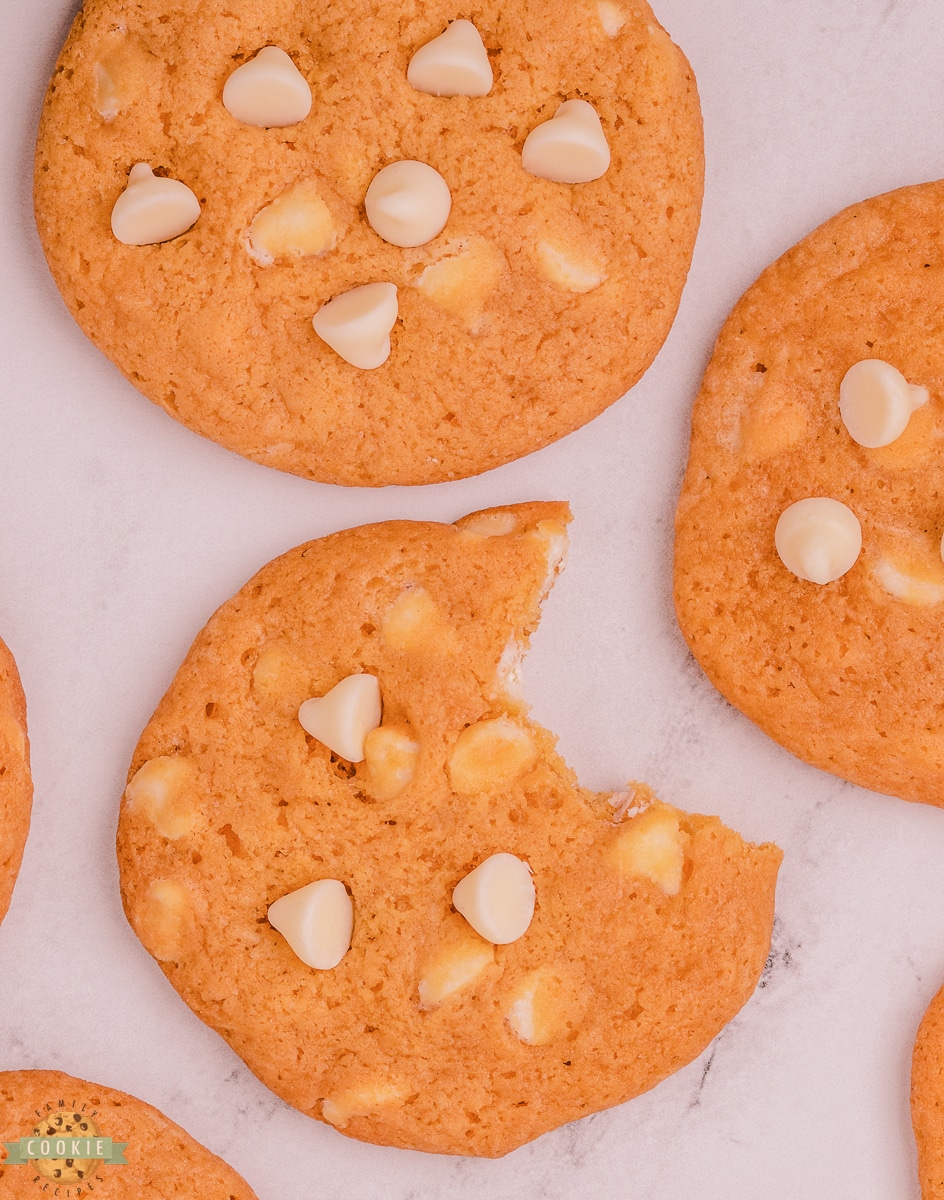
(534, 308)
(927, 1099)
(809, 581)
(49, 1120)
(358, 860)
(16, 787)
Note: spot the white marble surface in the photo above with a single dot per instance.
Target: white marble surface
(120, 531)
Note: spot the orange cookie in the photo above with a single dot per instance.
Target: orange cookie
(358, 860)
(809, 580)
(524, 257)
(927, 1099)
(75, 1138)
(16, 786)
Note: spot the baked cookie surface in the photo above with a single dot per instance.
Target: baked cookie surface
(650, 926)
(847, 674)
(16, 787)
(537, 306)
(159, 1159)
(927, 1099)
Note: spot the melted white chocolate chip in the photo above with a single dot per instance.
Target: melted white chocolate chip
(908, 587)
(161, 789)
(876, 402)
(408, 203)
(343, 718)
(390, 757)
(453, 64)
(152, 208)
(357, 324)
(317, 921)
(297, 224)
(163, 919)
(570, 148)
(491, 524)
(533, 1008)
(612, 17)
(489, 755)
(462, 279)
(453, 967)
(652, 846)
(269, 91)
(818, 539)
(568, 271)
(361, 1100)
(497, 898)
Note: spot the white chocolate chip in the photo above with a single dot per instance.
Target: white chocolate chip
(390, 758)
(612, 17)
(462, 279)
(652, 846)
(408, 203)
(343, 718)
(454, 966)
(568, 272)
(162, 790)
(360, 1101)
(317, 921)
(491, 524)
(521, 1017)
(269, 91)
(297, 224)
(876, 402)
(152, 208)
(909, 567)
(772, 427)
(163, 918)
(818, 539)
(497, 898)
(509, 669)
(908, 588)
(109, 98)
(107, 94)
(490, 754)
(533, 1008)
(122, 75)
(570, 148)
(270, 670)
(453, 64)
(412, 621)
(556, 542)
(357, 324)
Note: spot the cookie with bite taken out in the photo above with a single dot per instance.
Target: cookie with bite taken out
(357, 858)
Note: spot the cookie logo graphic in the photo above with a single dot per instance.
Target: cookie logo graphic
(66, 1148)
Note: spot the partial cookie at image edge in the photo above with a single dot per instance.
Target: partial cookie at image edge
(144, 1151)
(16, 785)
(845, 673)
